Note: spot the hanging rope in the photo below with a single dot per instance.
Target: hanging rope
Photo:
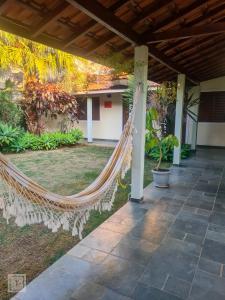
(31, 203)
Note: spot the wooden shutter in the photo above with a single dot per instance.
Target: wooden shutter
(82, 113)
(82, 108)
(96, 108)
(212, 107)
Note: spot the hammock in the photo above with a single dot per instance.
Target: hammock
(31, 203)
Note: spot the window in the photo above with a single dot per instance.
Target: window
(82, 102)
(212, 107)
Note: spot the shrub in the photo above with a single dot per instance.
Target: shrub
(168, 152)
(10, 112)
(45, 141)
(8, 135)
(46, 99)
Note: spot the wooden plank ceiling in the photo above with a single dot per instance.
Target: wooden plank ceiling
(182, 36)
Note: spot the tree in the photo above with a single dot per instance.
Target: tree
(46, 99)
(46, 64)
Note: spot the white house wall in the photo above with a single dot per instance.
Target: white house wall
(110, 124)
(212, 134)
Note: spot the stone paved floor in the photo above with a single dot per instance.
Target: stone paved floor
(170, 247)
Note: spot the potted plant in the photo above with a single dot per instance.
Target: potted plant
(154, 139)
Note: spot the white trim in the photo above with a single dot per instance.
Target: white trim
(110, 91)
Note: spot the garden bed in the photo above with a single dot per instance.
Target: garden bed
(31, 249)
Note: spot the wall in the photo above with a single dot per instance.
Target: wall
(110, 124)
(191, 124)
(212, 134)
(108, 127)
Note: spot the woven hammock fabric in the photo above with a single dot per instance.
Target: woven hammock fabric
(31, 203)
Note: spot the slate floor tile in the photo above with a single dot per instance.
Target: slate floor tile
(87, 254)
(177, 287)
(209, 266)
(119, 275)
(135, 255)
(207, 287)
(213, 250)
(192, 238)
(200, 203)
(173, 257)
(154, 226)
(217, 218)
(143, 292)
(190, 223)
(91, 290)
(102, 239)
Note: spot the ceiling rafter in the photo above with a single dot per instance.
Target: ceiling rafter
(4, 4)
(147, 12)
(200, 47)
(49, 18)
(21, 30)
(207, 29)
(215, 13)
(79, 32)
(102, 15)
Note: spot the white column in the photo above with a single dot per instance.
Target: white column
(89, 120)
(179, 117)
(140, 93)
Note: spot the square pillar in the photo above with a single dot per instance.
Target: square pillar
(140, 98)
(179, 117)
(89, 120)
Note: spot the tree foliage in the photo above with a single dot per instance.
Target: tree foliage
(10, 112)
(45, 63)
(46, 99)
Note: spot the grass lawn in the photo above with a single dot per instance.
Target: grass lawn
(31, 249)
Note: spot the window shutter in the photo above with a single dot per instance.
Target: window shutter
(212, 107)
(96, 108)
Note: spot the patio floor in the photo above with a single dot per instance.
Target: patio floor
(170, 247)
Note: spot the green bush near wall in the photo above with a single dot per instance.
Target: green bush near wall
(16, 140)
(168, 152)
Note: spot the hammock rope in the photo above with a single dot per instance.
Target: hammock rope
(31, 203)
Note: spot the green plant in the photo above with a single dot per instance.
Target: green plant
(155, 139)
(8, 135)
(10, 112)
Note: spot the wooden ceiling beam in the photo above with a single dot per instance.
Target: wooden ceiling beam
(202, 54)
(147, 12)
(21, 30)
(4, 4)
(188, 32)
(206, 46)
(49, 18)
(210, 60)
(199, 21)
(171, 19)
(99, 42)
(79, 32)
(103, 16)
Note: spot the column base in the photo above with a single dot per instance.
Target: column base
(178, 165)
(136, 200)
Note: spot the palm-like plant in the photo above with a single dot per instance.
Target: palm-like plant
(40, 62)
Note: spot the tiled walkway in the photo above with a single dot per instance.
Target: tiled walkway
(170, 247)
